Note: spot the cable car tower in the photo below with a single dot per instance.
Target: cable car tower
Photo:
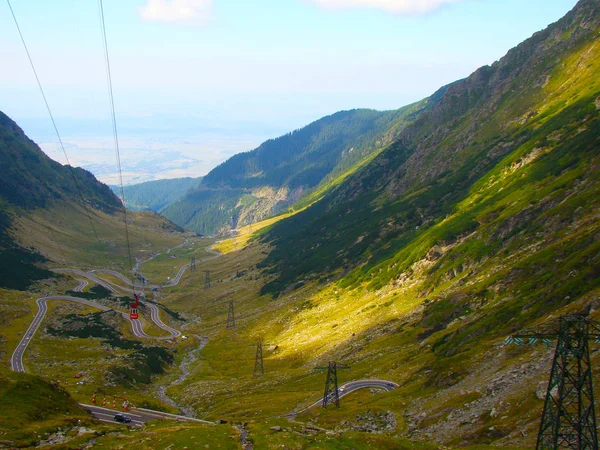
(569, 419)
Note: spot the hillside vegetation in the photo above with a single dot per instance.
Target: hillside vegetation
(253, 185)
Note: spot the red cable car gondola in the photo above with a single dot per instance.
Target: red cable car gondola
(133, 313)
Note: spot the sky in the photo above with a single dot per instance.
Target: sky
(209, 78)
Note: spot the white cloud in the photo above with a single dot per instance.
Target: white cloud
(393, 6)
(188, 12)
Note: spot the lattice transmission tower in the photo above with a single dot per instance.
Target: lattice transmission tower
(259, 367)
(230, 316)
(569, 419)
(193, 264)
(331, 394)
(206, 279)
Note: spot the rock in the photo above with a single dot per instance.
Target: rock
(540, 391)
(276, 428)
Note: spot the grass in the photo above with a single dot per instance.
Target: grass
(16, 312)
(160, 435)
(77, 243)
(32, 407)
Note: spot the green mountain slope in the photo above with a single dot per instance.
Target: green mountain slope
(251, 186)
(31, 179)
(479, 221)
(156, 195)
(538, 104)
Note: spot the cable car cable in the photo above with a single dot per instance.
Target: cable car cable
(72, 171)
(114, 126)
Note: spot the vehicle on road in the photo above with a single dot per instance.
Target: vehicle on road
(122, 418)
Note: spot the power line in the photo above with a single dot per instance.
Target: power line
(206, 279)
(114, 127)
(72, 171)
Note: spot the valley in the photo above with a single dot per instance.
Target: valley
(393, 279)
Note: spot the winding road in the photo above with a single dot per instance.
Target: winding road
(138, 415)
(348, 388)
(16, 361)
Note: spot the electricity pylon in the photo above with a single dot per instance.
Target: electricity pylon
(230, 316)
(331, 394)
(193, 264)
(259, 368)
(206, 279)
(569, 419)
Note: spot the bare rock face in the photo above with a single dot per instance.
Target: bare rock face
(541, 389)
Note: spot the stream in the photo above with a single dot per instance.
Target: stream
(189, 359)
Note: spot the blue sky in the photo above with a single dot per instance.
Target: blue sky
(265, 65)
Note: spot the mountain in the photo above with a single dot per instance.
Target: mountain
(32, 181)
(156, 195)
(525, 126)
(476, 219)
(253, 185)
(53, 214)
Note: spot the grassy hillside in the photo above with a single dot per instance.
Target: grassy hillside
(251, 186)
(479, 221)
(54, 215)
(31, 181)
(32, 407)
(408, 197)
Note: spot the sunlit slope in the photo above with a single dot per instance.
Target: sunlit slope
(252, 231)
(481, 124)
(480, 221)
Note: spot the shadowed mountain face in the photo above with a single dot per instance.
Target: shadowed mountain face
(30, 181)
(251, 186)
(505, 159)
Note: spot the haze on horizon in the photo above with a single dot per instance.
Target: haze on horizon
(196, 81)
